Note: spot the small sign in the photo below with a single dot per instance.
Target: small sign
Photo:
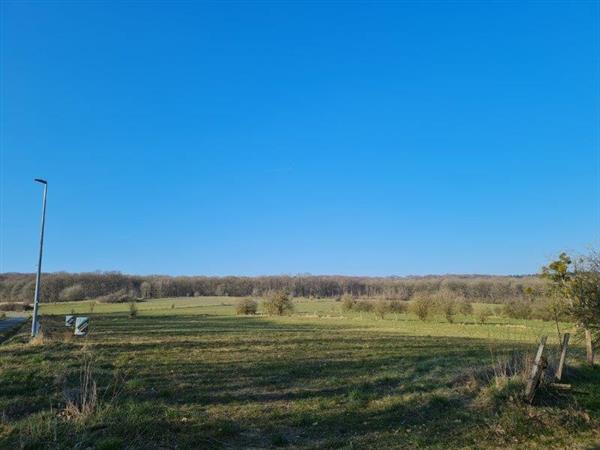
(82, 326)
(69, 321)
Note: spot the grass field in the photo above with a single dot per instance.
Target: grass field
(187, 373)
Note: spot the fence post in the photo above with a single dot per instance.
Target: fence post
(563, 355)
(539, 364)
(588, 347)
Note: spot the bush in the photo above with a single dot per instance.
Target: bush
(121, 296)
(576, 290)
(348, 302)
(363, 306)
(278, 304)
(549, 311)
(72, 293)
(449, 310)
(2, 316)
(517, 310)
(380, 308)
(421, 307)
(133, 311)
(145, 290)
(396, 306)
(443, 296)
(465, 308)
(246, 306)
(483, 315)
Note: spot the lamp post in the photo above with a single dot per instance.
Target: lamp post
(35, 325)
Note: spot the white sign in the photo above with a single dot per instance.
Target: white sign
(82, 325)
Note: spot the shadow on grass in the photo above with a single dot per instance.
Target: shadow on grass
(587, 391)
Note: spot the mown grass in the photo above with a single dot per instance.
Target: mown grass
(196, 376)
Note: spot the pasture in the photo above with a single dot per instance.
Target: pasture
(188, 373)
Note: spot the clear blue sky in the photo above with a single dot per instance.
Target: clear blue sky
(325, 138)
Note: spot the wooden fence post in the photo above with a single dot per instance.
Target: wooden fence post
(563, 355)
(539, 364)
(588, 347)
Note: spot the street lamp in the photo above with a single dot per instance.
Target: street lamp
(35, 325)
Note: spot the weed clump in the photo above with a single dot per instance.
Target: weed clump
(246, 307)
(39, 339)
(82, 401)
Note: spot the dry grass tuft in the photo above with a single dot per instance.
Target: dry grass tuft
(40, 339)
(82, 401)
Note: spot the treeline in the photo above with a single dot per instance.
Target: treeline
(56, 287)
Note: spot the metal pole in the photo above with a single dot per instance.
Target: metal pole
(35, 325)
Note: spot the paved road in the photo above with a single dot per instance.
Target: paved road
(10, 322)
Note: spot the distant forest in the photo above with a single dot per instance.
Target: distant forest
(57, 287)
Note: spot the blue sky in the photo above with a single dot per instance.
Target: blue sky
(266, 138)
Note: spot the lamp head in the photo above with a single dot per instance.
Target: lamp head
(39, 180)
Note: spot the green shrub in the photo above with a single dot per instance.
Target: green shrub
(551, 309)
(278, 304)
(449, 309)
(380, 308)
(422, 307)
(398, 306)
(348, 302)
(517, 310)
(363, 306)
(483, 315)
(246, 306)
(133, 311)
(466, 308)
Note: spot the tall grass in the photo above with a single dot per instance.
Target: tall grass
(82, 401)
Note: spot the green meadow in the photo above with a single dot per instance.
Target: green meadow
(187, 373)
